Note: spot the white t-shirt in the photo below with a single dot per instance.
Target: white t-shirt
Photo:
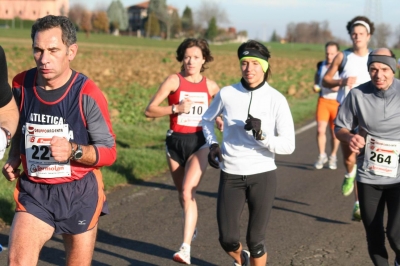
(326, 92)
(356, 66)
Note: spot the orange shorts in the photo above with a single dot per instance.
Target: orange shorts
(327, 110)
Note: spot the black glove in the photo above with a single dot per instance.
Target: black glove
(254, 124)
(215, 152)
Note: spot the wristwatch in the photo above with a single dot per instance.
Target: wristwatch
(76, 154)
(174, 111)
(8, 136)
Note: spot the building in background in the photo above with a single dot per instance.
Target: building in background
(137, 15)
(32, 9)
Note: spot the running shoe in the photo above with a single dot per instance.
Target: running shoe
(194, 234)
(322, 159)
(332, 162)
(182, 256)
(348, 182)
(246, 256)
(356, 212)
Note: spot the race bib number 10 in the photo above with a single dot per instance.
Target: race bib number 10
(40, 162)
(199, 107)
(381, 156)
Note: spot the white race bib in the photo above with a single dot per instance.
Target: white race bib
(381, 156)
(40, 162)
(199, 107)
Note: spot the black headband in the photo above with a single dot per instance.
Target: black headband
(384, 59)
(252, 53)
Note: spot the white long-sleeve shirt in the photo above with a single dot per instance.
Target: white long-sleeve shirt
(241, 153)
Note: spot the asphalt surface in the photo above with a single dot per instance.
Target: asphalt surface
(310, 222)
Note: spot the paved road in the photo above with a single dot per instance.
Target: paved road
(310, 223)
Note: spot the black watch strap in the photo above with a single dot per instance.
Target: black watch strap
(72, 151)
(8, 136)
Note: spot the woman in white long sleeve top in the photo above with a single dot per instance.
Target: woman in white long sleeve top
(257, 124)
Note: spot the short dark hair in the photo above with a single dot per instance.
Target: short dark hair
(48, 22)
(392, 54)
(252, 44)
(332, 43)
(192, 42)
(350, 25)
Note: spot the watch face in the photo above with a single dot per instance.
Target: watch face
(78, 153)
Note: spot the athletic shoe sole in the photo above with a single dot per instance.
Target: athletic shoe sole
(177, 258)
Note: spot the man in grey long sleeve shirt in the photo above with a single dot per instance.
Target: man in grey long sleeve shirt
(374, 107)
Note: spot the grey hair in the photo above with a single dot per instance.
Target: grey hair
(48, 22)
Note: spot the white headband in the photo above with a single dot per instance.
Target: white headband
(365, 24)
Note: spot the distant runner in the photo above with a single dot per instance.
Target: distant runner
(327, 109)
(352, 67)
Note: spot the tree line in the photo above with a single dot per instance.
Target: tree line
(320, 33)
(160, 21)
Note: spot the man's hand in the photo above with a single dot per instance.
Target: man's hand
(349, 82)
(215, 155)
(356, 143)
(10, 169)
(254, 124)
(60, 149)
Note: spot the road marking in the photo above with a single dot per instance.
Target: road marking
(306, 127)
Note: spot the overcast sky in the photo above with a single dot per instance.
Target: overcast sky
(261, 17)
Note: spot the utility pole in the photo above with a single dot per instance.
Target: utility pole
(373, 10)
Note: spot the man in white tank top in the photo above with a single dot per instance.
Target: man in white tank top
(398, 66)
(352, 67)
(326, 109)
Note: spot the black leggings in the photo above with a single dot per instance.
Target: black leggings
(259, 190)
(373, 199)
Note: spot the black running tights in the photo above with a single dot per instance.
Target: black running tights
(373, 199)
(259, 191)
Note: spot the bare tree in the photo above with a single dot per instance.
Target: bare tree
(76, 12)
(208, 10)
(382, 35)
(86, 23)
(397, 43)
(308, 32)
(160, 9)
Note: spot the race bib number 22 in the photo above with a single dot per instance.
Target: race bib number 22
(40, 162)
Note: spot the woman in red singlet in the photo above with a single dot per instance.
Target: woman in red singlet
(189, 94)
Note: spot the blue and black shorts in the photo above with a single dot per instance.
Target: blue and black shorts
(71, 208)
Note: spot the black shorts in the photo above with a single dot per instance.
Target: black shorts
(71, 208)
(181, 146)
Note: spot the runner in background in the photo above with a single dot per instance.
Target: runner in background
(398, 67)
(352, 67)
(326, 109)
(374, 107)
(189, 94)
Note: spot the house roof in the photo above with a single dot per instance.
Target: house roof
(145, 5)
